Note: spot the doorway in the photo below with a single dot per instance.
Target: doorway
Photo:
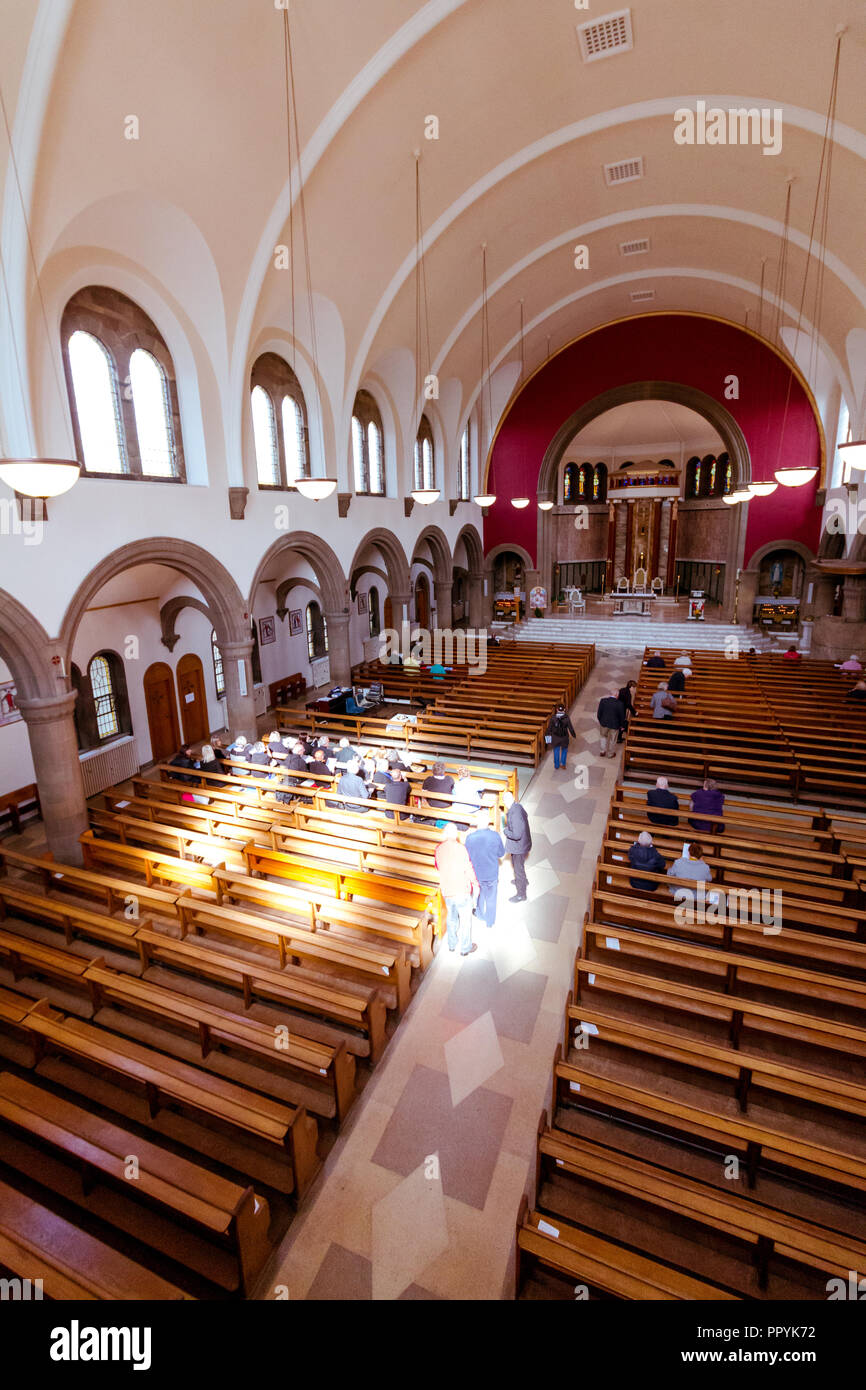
(161, 708)
(422, 602)
(193, 701)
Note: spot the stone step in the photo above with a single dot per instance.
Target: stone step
(637, 633)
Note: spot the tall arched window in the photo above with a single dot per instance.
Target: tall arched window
(368, 456)
(280, 426)
(152, 408)
(709, 470)
(104, 699)
(425, 459)
(570, 483)
(599, 483)
(465, 466)
(374, 611)
(218, 671)
(97, 404)
(727, 473)
(693, 477)
(122, 389)
(265, 434)
(585, 482)
(317, 632)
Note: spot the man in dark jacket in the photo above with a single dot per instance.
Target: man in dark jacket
(625, 695)
(644, 855)
(396, 791)
(656, 662)
(294, 762)
(660, 795)
(184, 759)
(611, 718)
(518, 843)
(677, 680)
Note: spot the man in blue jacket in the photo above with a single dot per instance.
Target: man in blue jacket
(485, 848)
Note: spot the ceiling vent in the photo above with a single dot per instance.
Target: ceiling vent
(624, 171)
(601, 38)
(634, 248)
(642, 296)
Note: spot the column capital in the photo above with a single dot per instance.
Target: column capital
(49, 709)
(236, 650)
(337, 619)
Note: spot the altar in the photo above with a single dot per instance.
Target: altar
(633, 605)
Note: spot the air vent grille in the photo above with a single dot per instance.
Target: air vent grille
(642, 296)
(634, 248)
(624, 171)
(601, 38)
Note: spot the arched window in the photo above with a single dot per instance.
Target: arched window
(368, 456)
(265, 434)
(465, 466)
(693, 477)
(317, 632)
(374, 611)
(585, 482)
(282, 453)
(709, 470)
(425, 461)
(294, 441)
(97, 405)
(255, 656)
(218, 672)
(104, 699)
(599, 483)
(152, 409)
(122, 389)
(570, 483)
(727, 471)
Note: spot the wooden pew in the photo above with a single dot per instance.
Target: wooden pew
(152, 864)
(72, 919)
(116, 894)
(35, 1243)
(601, 1264)
(287, 1133)
(14, 805)
(170, 1196)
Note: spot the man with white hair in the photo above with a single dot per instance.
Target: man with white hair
(345, 753)
(644, 855)
(485, 848)
(611, 718)
(352, 784)
(458, 886)
(661, 795)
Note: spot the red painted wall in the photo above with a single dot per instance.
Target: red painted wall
(680, 348)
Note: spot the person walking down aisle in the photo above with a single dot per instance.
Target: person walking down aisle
(518, 843)
(626, 699)
(458, 885)
(485, 848)
(611, 718)
(559, 730)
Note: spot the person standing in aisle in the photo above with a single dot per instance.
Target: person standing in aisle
(518, 843)
(559, 730)
(485, 848)
(458, 886)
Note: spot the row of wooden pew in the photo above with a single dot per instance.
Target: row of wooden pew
(785, 728)
(706, 1138)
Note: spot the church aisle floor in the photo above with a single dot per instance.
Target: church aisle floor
(419, 1196)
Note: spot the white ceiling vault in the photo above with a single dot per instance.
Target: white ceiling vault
(185, 218)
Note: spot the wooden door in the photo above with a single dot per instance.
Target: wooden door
(161, 711)
(193, 702)
(422, 603)
(388, 612)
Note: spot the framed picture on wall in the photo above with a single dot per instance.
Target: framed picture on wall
(267, 631)
(295, 622)
(362, 603)
(9, 711)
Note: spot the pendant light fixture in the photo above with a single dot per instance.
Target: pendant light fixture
(485, 499)
(314, 489)
(520, 503)
(33, 477)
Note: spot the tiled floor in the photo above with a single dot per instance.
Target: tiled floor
(419, 1196)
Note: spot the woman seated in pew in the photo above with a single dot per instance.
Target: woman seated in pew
(852, 664)
(238, 751)
(259, 757)
(711, 801)
(791, 655)
(467, 795)
(857, 693)
(644, 855)
(208, 762)
(691, 864)
(294, 762)
(275, 745)
(663, 703)
(683, 659)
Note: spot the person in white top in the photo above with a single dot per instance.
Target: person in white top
(683, 660)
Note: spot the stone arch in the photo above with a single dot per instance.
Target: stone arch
(713, 412)
(474, 549)
(806, 555)
(322, 560)
(24, 646)
(285, 588)
(439, 549)
(396, 564)
(491, 556)
(225, 602)
(359, 572)
(169, 613)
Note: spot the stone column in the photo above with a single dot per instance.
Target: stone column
(399, 608)
(338, 648)
(747, 593)
(240, 701)
(476, 601)
(54, 746)
(854, 598)
(444, 594)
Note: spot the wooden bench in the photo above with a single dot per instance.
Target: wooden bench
(114, 893)
(601, 1264)
(215, 1028)
(169, 1198)
(35, 1243)
(15, 805)
(72, 919)
(287, 1133)
(152, 864)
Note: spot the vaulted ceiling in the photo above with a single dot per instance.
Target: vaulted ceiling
(525, 127)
